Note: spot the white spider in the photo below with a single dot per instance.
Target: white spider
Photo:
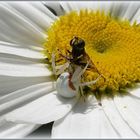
(68, 85)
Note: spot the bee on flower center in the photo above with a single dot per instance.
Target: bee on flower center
(77, 63)
(78, 50)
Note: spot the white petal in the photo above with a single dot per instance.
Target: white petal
(78, 5)
(19, 131)
(131, 10)
(10, 84)
(87, 120)
(21, 60)
(98, 5)
(122, 128)
(55, 6)
(13, 130)
(17, 99)
(24, 68)
(119, 8)
(23, 51)
(32, 13)
(135, 91)
(41, 6)
(103, 6)
(43, 110)
(16, 28)
(136, 17)
(128, 107)
(65, 6)
(22, 97)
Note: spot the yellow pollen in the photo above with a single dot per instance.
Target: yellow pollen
(112, 44)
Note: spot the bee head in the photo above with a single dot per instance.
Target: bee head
(77, 42)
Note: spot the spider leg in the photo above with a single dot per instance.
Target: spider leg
(75, 76)
(82, 92)
(79, 88)
(78, 72)
(53, 63)
(61, 68)
(91, 82)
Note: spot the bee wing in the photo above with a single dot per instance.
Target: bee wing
(91, 64)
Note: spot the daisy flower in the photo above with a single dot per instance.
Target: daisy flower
(30, 95)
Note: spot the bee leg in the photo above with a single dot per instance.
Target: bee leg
(67, 58)
(79, 57)
(69, 51)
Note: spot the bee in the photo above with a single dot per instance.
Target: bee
(78, 50)
(77, 63)
(79, 56)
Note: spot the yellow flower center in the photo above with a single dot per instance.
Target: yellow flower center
(112, 44)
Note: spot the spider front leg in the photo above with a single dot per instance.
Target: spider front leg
(57, 70)
(53, 64)
(79, 72)
(91, 82)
